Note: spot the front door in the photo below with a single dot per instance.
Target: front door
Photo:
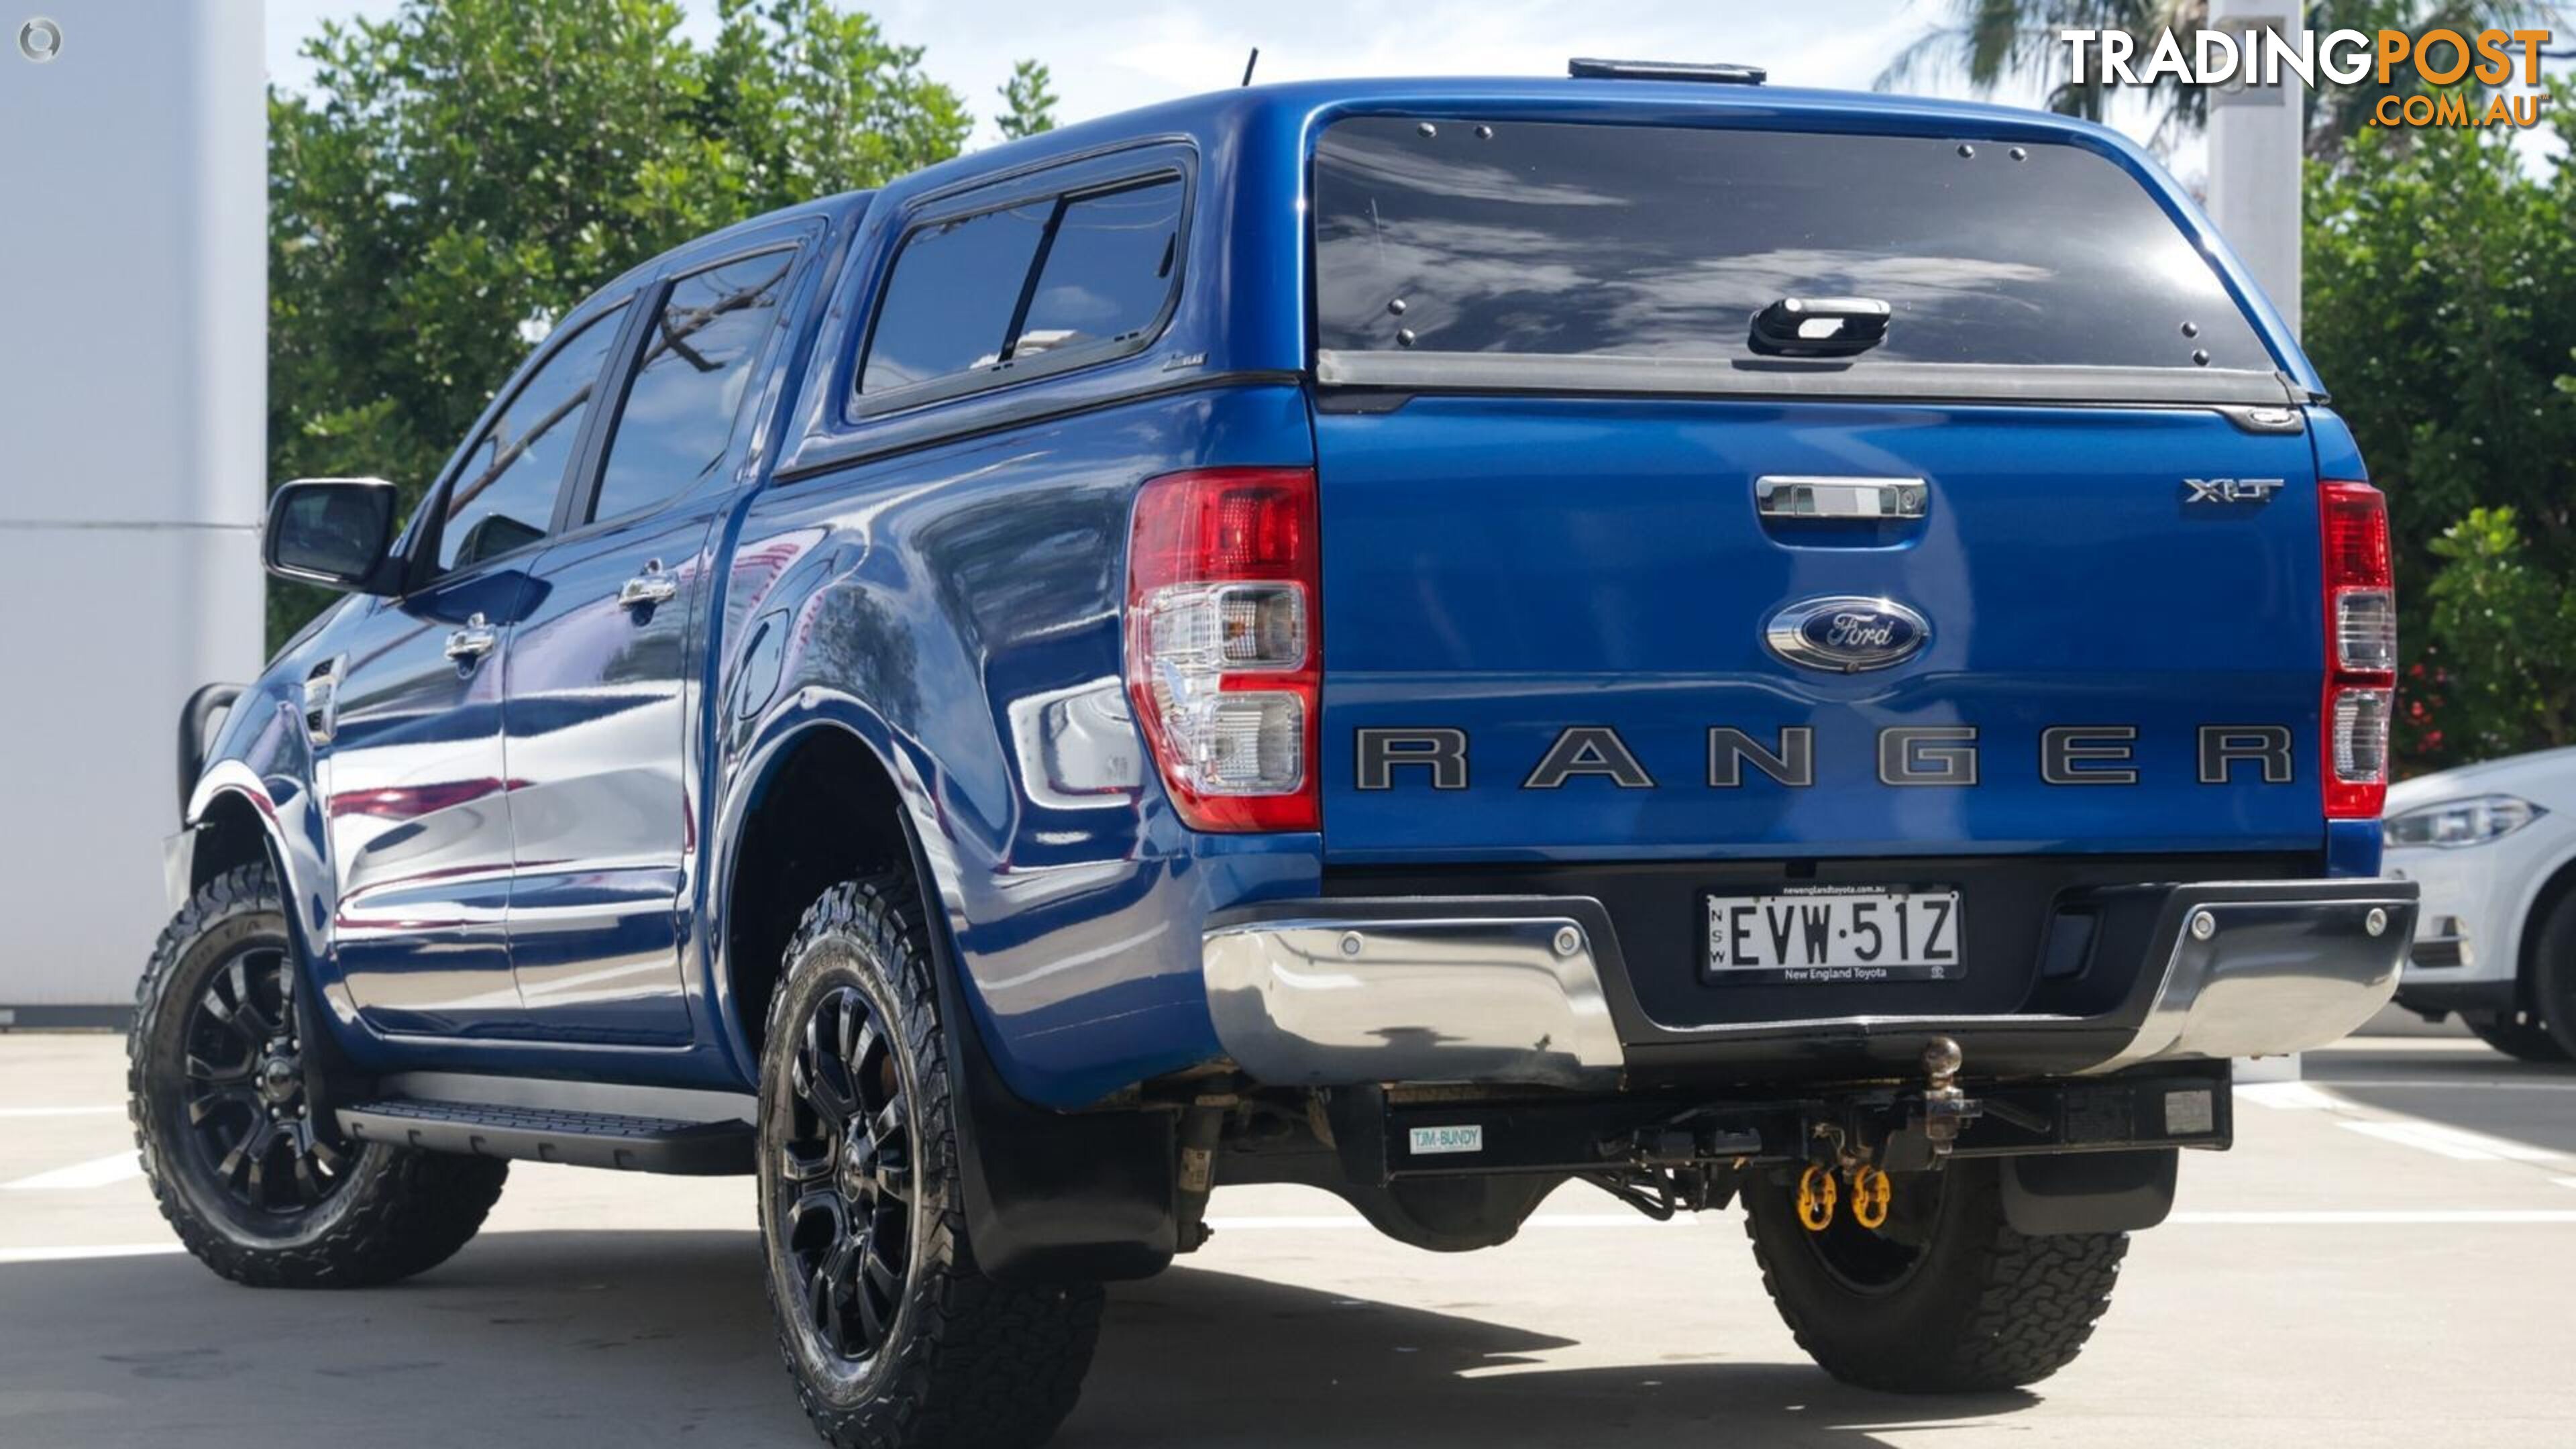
(407, 722)
(603, 673)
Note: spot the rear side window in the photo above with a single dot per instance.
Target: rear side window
(1047, 283)
(1664, 242)
(1108, 268)
(955, 288)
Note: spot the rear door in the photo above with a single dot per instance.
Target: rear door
(603, 671)
(1603, 579)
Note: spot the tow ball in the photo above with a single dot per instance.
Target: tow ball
(1946, 1108)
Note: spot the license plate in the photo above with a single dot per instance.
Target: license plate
(1834, 933)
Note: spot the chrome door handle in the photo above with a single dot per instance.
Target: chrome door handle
(472, 642)
(648, 588)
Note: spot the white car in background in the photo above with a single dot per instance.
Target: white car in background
(2494, 846)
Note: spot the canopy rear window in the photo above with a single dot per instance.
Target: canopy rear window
(1552, 240)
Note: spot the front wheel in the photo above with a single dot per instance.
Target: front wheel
(250, 1176)
(894, 1339)
(1943, 1296)
(2518, 1037)
(2553, 978)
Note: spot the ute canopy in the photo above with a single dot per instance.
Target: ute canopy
(1583, 256)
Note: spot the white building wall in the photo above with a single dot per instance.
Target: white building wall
(2257, 141)
(133, 300)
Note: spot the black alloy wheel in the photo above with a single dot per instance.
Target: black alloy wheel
(244, 1093)
(893, 1337)
(240, 1156)
(847, 1208)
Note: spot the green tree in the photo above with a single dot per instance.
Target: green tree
(460, 174)
(2505, 628)
(811, 99)
(2441, 309)
(1028, 102)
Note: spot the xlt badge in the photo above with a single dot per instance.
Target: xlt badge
(1847, 633)
(2230, 490)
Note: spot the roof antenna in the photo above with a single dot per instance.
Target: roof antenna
(1249, 62)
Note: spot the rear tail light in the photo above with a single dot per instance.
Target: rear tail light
(2366, 631)
(2359, 732)
(1223, 660)
(2361, 649)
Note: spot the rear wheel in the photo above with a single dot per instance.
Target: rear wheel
(894, 1339)
(1943, 1297)
(254, 1182)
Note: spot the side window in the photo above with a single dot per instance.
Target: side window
(504, 495)
(949, 304)
(679, 415)
(1108, 268)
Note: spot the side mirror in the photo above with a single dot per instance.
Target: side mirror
(335, 532)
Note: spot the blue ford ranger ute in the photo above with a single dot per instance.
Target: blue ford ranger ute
(1432, 639)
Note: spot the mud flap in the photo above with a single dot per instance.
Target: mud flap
(2089, 1192)
(1051, 1197)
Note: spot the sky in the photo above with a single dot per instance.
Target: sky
(1108, 58)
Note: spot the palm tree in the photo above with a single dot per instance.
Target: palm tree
(1991, 41)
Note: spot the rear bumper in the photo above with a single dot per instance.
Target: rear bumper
(1534, 990)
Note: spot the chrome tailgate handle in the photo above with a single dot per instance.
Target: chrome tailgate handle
(648, 588)
(475, 640)
(1794, 496)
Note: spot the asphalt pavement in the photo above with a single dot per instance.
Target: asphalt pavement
(2387, 1258)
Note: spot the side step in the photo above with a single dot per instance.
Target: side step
(546, 1134)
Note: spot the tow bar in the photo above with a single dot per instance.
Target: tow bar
(1665, 1152)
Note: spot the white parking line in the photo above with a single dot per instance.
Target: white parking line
(76, 1251)
(2376, 1218)
(2452, 1142)
(2465, 1084)
(109, 1109)
(2338, 1218)
(2309, 1218)
(1334, 1222)
(97, 1172)
(2290, 1096)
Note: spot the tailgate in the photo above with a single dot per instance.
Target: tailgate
(1581, 589)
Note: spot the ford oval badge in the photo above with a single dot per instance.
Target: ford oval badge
(1847, 633)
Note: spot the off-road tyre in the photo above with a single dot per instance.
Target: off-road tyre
(2520, 1038)
(1978, 1307)
(963, 1360)
(382, 1213)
